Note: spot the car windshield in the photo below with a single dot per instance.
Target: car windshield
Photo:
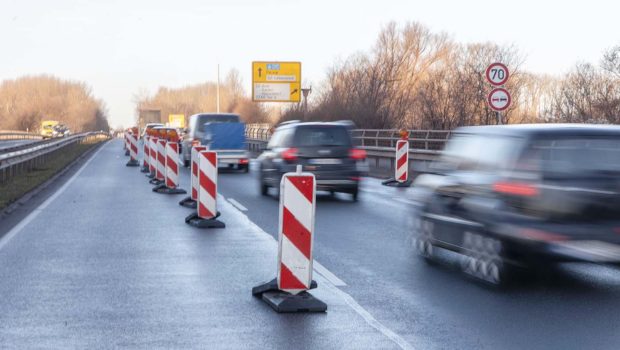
(478, 152)
(323, 136)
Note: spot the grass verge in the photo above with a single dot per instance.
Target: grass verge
(21, 184)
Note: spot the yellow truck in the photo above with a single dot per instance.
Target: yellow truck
(47, 128)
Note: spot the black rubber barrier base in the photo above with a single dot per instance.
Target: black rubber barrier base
(162, 188)
(150, 175)
(127, 152)
(132, 163)
(144, 169)
(395, 183)
(156, 181)
(284, 302)
(196, 221)
(188, 202)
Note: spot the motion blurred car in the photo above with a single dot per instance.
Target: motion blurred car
(519, 196)
(60, 130)
(324, 149)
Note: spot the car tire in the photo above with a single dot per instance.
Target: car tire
(264, 188)
(186, 163)
(424, 240)
(483, 259)
(355, 194)
(245, 168)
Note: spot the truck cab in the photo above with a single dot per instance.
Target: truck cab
(47, 128)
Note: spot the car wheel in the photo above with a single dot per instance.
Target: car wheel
(264, 188)
(482, 258)
(186, 163)
(245, 168)
(355, 194)
(424, 238)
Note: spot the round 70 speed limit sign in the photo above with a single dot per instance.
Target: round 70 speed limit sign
(499, 99)
(497, 74)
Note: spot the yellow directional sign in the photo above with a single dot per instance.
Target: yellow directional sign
(276, 81)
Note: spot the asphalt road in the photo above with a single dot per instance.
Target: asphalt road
(106, 263)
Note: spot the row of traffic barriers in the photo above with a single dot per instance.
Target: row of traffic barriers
(288, 292)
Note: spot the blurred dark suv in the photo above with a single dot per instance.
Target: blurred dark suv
(324, 149)
(519, 196)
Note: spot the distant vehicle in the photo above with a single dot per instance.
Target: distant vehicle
(224, 133)
(324, 149)
(522, 195)
(150, 126)
(47, 128)
(60, 130)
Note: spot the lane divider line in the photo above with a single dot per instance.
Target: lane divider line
(322, 270)
(237, 204)
(19, 227)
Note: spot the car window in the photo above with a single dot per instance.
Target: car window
(479, 152)
(281, 138)
(322, 136)
(576, 155)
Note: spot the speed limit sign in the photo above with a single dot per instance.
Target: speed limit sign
(497, 74)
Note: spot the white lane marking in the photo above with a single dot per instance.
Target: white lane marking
(370, 320)
(405, 201)
(237, 204)
(318, 267)
(400, 341)
(17, 229)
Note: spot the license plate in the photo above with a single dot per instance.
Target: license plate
(228, 161)
(325, 161)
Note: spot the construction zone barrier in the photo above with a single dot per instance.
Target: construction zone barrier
(401, 176)
(171, 175)
(126, 143)
(160, 167)
(206, 211)
(133, 150)
(191, 200)
(288, 292)
(145, 154)
(152, 157)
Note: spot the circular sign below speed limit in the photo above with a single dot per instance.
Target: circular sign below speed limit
(499, 99)
(497, 74)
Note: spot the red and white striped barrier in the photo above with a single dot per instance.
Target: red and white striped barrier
(161, 160)
(171, 183)
(297, 206)
(206, 210)
(402, 161)
(126, 142)
(152, 156)
(133, 150)
(145, 154)
(288, 293)
(190, 201)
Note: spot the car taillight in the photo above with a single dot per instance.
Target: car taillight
(357, 154)
(290, 154)
(244, 161)
(516, 189)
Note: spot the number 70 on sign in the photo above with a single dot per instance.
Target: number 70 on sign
(497, 74)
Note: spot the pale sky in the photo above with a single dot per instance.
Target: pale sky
(120, 47)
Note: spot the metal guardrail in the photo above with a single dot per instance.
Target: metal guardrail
(18, 135)
(19, 161)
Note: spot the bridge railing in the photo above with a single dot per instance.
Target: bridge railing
(36, 154)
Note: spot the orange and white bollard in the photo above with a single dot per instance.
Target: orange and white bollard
(145, 154)
(171, 174)
(288, 292)
(191, 200)
(206, 211)
(133, 150)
